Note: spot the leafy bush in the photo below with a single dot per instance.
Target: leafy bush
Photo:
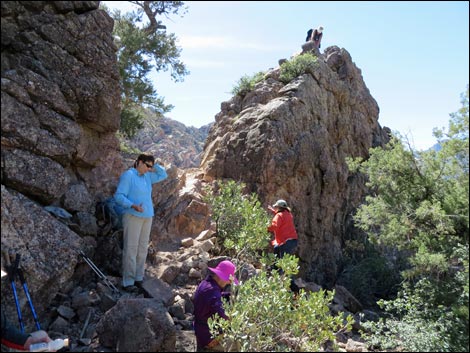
(125, 146)
(297, 66)
(241, 221)
(414, 322)
(265, 316)
(368, 273)
(371, 279)
(247, 83)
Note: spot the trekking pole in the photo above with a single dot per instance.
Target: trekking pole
(99, 273)
(26, 292)
(11, 271)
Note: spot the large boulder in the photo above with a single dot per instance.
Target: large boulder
(138, 325)
(290, 141)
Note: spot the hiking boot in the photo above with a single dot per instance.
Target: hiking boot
(138, 284)
(131, 289)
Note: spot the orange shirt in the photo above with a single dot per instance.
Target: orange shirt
(283, 227)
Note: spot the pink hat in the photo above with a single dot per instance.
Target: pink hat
(224, 270)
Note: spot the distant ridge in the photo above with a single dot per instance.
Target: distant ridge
(172, 142)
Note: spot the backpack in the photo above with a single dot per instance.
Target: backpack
(109, 215)
(309, 34)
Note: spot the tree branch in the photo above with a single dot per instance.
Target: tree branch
(154, 25)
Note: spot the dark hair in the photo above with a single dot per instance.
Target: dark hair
(144, 158)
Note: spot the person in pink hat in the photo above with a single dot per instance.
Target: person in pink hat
(208, 302)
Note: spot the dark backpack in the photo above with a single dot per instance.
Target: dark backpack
(109, 215)
(309, 34)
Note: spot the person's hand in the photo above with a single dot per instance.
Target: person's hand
(37, 337)
(138, 208)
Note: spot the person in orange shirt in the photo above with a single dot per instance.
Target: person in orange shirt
(285, 235)
(282, 226)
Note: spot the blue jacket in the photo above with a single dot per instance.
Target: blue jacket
(135, 189)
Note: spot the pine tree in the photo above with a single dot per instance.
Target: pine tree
(144, 48)
(420, 206)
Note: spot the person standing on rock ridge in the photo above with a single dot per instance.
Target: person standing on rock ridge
(134, 195)
(208, 303)
(315, 36)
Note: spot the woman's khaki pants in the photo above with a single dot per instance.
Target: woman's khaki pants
(136, 240)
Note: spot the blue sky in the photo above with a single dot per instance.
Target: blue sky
(414, 55)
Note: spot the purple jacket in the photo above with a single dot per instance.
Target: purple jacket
(207, 302)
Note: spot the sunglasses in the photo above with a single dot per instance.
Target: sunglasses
(148, 165)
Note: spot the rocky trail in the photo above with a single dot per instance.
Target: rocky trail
(76, 312)
(96, 319)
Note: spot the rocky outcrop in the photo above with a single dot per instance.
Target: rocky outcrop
(291, 141)
(172, 142)
(60, 111)
(159, 317)
(180, 210)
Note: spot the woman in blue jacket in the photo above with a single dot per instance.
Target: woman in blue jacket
(134, 195)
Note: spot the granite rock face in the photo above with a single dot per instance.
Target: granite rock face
(60, 111)
(290, 141)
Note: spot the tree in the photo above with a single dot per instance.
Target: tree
(143, 49)
(420, 205)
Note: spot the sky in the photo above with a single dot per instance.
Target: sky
(413, 55)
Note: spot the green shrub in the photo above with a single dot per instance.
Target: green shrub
(414, 322)
(266, 317)
(124, 145)
(240, 219)
(247, 83)
(297, 66)
(371, 279)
